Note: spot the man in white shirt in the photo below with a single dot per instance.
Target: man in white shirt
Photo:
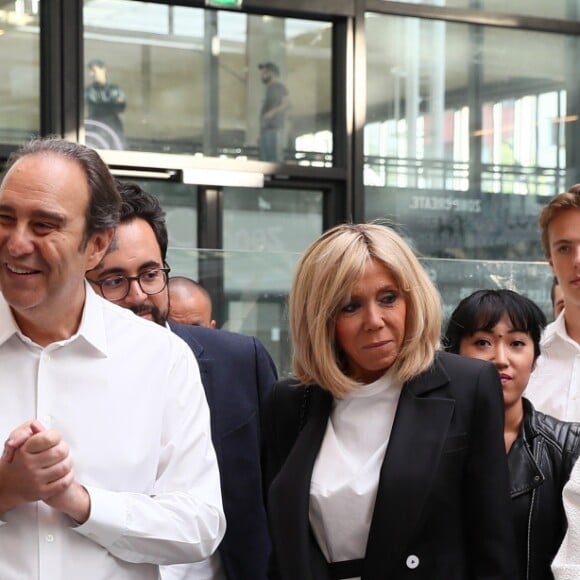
(554, 386)
(108, 469)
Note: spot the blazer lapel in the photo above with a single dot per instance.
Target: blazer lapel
(290, 491)
(412, 456)
(204, 364)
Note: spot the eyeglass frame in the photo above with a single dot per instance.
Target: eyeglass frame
(100, 283)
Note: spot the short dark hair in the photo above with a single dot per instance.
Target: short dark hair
(270, 66)
(137, 203)
(96, 62)
(483, 309)
(104, 199)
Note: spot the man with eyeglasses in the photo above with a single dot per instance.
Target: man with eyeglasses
(108, 470)
(237, 374)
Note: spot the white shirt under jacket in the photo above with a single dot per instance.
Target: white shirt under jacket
(554, 386)
(346, 473)
(126, 396)
(566, 564)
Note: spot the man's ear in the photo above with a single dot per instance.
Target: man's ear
(97, 247)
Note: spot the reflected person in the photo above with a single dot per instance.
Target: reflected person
(273, 113)
(105, 101)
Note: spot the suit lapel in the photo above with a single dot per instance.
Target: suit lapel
(204, 364)
(411, 460)
(290, 491)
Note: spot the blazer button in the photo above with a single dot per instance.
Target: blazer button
(412, 561)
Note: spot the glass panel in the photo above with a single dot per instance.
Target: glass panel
(566, 9)
(186, 80)
(470, 130)
(19, 71)
(268, 229)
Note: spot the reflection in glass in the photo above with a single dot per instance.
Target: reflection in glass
(210, 83)
(265, 231)
(105, 101)
(469, 132)
(19, 72)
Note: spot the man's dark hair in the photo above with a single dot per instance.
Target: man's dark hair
(270, 66)
(96, 62)
(137, 203)
(104, 200)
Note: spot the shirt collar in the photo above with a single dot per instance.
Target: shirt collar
(556, 331)
(91, 328)
(8, 327)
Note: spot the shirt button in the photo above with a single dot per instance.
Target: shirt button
(412, 562)
(49, 538)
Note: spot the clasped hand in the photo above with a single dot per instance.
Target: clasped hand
(36, 465)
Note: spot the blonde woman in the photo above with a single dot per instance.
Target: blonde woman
(385, 457)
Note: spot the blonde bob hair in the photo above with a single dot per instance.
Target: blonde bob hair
(322, 283)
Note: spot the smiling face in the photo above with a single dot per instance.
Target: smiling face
(43, 253)
(512, 352)
(370, 325)
(564, 241)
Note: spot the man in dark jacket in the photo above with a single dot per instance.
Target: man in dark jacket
(104, 101)
(237, 374)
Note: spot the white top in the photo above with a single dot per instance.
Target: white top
(566, 564)
(126, 396)
(554, 387)
(346, 472)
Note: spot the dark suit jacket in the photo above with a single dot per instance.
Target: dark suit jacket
(442, 510)
(237, 374)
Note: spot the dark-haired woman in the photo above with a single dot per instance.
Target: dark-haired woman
(505, 327)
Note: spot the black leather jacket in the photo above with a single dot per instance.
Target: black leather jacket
(540, 462)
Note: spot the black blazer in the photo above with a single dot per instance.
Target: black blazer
(237, 374)
(442, 510)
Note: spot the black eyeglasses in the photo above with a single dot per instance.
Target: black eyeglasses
(116, 288)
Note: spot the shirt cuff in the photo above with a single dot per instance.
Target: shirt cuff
(108, 518)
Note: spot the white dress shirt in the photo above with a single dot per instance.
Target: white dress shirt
(566, 564)
(126, 396)
(554, 386)
(346, 473)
